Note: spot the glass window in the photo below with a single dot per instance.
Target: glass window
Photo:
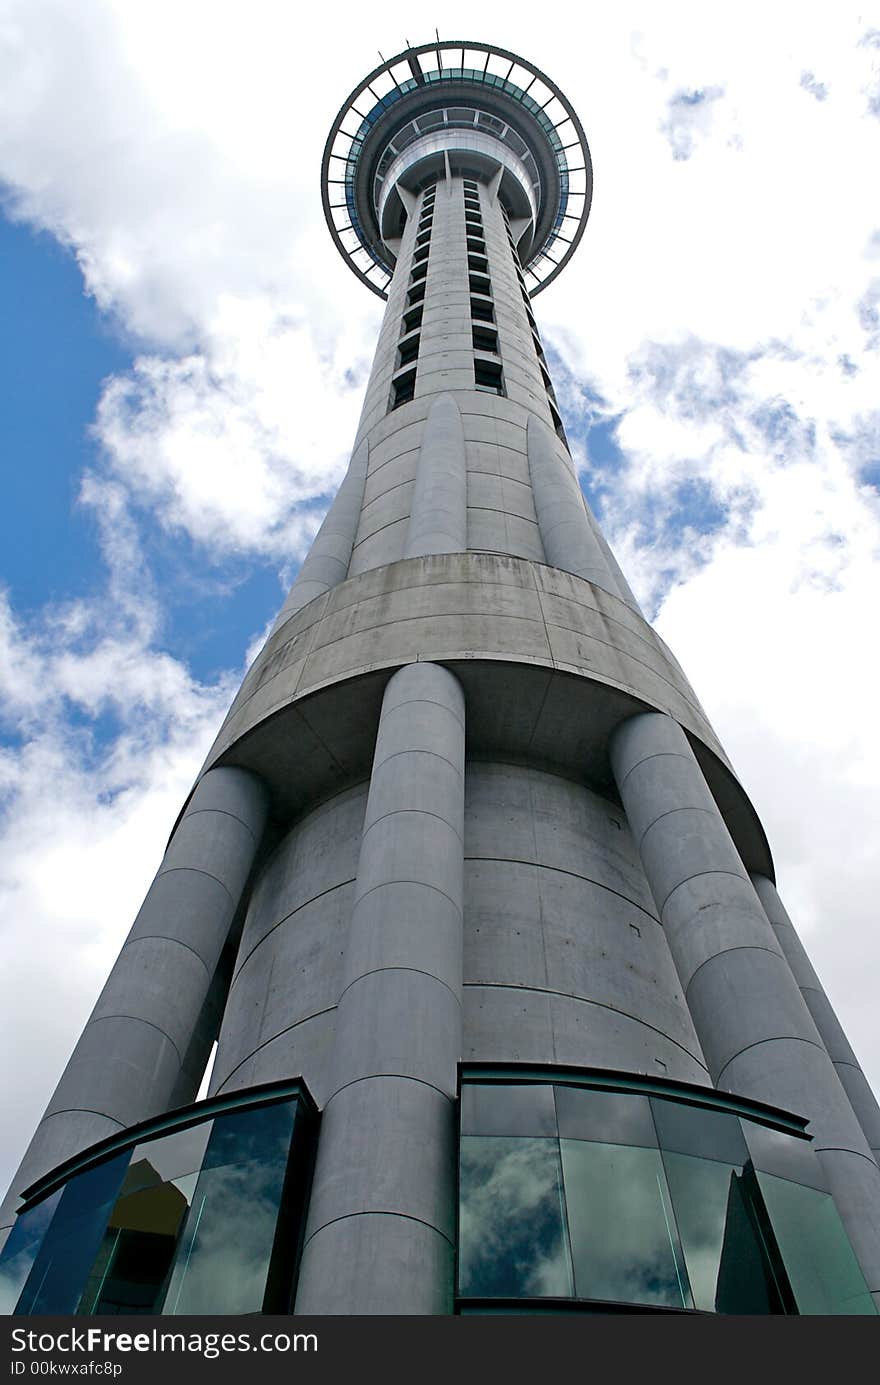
(512, 1238)
(613, 1117)
(63, 1263)
(201, 1220)
(20, 1251)
(774, 1151)
(819, 1261)
(507, 1109)
(624, 1242)
(487, 376)
(403, 388)
(222, 1263)
(485, 339)
(482, 310)
(727, 1267)
(696, 1130)
(409, 350)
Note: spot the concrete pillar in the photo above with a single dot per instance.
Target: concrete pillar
(855, 1084)
(380, 1234)
(568, 537)
(327, 561)
(438, 513)
(141, 1049)
(756, 1031)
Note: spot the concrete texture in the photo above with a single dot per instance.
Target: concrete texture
(147, 1026)
(755, 1028)
(855, 1084)
(387, 1151)
(457, 696)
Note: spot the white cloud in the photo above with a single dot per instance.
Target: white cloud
(724, 306)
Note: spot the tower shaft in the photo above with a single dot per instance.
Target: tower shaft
(467, 830)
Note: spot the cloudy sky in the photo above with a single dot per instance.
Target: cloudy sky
(166, 277)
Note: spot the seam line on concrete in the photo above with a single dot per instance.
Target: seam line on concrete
(372, 534)
(195, 812)
(378, 1212)
(197, 870)
(407, 812)
(390, 1077)
(423, 884)
(670, 812)
(843, 1149)
(417, 971)
(584, 1000)
(734, 874)
(84, 1110)
(286, 919)
(540, 712)
(725, 952)
(137, 1019)
(425, 701)
(656, 754)
(164, 938)
(416, 750)
(271, 1040)
(625, 654)
(773, 1039)
(389, 490)
(574, 875)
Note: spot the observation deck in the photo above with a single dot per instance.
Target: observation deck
(459, 107)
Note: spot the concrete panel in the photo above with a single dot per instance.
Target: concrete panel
(128, 1062)
(364, 1264)
(753, 1023)
(403, 1162)
(438, 522)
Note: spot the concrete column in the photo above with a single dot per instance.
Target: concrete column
(326, 563)
(380, 1234)
(757, 1034)
(143, 1049)
(438, 513)
(855, 1084)
(569, 540)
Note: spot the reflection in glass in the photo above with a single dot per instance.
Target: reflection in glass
(726, 1266)
(184, 1223)
(68, 1251)
(507, 1109)
(223, 1262)
(21, 1249)
(512, 1238)
(624, 1242)
(819, 1260)
(618, 1118)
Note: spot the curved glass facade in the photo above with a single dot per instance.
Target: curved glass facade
(198, 1213)
(577, 1195)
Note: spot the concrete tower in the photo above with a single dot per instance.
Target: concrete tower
(467, 889)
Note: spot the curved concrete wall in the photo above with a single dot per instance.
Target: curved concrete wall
(144, 1048)
(565, 958)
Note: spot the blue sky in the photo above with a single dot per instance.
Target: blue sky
(166, 278)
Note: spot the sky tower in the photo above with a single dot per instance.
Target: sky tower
(510, 1016)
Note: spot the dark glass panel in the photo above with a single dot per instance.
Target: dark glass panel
(63, 1263)
(819, 1261)
(512, 1239)
(223, 1256)
(695, 1130)
(619, 1118)
(726, 1263)
(20, 1250)
(501, 1109)
(788, 1156)
(624, 1243)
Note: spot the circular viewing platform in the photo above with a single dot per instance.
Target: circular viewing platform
(465, 107)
